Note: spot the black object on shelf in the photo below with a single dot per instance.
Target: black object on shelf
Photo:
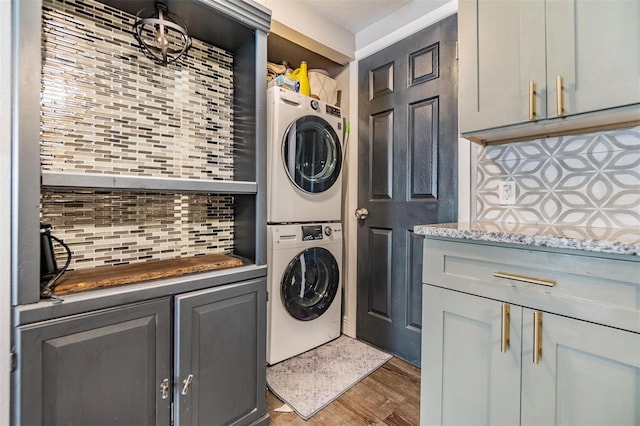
(49, 272)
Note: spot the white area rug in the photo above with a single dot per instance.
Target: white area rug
(310, 381)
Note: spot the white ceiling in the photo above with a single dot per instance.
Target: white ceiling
(355, 15)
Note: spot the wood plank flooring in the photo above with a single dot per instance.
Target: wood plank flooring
(388, 396)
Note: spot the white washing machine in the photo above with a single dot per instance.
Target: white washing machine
(304, 151)
(304, 285)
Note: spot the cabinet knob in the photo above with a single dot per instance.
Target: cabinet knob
(164, 389)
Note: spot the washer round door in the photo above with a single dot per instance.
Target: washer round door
(310, 283)
(312, 154)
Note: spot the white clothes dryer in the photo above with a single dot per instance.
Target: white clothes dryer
(304, 151)
(304, 287)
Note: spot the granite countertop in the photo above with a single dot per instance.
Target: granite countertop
(624, 241)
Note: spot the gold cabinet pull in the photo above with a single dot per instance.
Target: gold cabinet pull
(525, 279)
(559, 96)
(506, 309)
(532, 100)
(537, 336)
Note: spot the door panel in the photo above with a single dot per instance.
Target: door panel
(588, 374)
(407, 176)
(380, 81)
(381, 170)
(463, 364)
(490, 33)
(423, 64)
(100, 368)
(414, 281)
(423, 149)
(380, 247)
(221, 342)
(600, 68)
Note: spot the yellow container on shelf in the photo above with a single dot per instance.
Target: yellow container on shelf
(302, 76)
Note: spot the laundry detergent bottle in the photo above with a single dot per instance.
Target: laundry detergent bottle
(302, 76)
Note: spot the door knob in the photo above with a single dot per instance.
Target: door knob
(362, 213)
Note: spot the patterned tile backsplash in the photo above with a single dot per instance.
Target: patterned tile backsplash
(582, 180)
(107, 109)
(110, 228)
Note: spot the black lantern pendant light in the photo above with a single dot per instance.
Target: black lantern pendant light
(162, 35)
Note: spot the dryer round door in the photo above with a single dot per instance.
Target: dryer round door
(310, 283)
(312, 154)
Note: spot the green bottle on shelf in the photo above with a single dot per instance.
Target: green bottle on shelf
(302, 76)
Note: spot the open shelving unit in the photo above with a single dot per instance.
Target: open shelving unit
(237, 26)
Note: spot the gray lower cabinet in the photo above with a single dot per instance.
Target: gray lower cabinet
(518, 336)
(466, 379)
(220, 355)
(114, 366)
(101, 368)
(586, 374)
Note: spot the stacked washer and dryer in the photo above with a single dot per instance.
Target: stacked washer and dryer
(304, 233)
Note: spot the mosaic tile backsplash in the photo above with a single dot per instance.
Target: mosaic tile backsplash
(581, 180)
(107, 109)
(110, 228)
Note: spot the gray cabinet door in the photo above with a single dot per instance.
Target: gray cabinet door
(593, 46)
(220, 343)
(466, 378)
(102, 368)
(588, 374)
(502, 50)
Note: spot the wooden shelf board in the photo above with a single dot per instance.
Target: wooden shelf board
(107, 276)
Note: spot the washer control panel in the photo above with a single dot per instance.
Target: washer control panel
(311, 232)
(331, 110)
(304, 234)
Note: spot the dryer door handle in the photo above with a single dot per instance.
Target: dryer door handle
(362, 213)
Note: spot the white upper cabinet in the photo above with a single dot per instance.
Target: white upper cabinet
(535, 68)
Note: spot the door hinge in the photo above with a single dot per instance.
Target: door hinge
(267, 296)
(457, 53)
(13, 361)
(172, 413)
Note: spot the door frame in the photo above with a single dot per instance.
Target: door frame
(349, 221)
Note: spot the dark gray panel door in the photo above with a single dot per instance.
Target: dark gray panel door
(407, 175)
(220, 342)
(103, 368)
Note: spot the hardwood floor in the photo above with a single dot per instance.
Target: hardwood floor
(388, 396)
